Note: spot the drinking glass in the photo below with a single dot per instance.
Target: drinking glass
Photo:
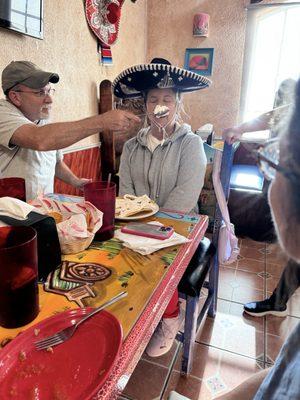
(103, 195)
(19, 302)
(13, 187)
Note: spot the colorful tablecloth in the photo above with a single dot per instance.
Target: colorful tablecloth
(105, 269)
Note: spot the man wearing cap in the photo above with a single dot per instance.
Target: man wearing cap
(29, 147)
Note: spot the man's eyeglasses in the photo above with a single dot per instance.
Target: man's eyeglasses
(268, 161)
(38, 93)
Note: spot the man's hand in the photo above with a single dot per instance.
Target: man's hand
(118, 120)
(80, 182)
(231, 135)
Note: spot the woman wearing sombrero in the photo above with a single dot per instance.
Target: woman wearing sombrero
(166, 160)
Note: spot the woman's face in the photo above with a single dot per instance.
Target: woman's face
(283, 212)
(162, 97)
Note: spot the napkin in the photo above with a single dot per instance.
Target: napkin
(145, 245)
(14, 208)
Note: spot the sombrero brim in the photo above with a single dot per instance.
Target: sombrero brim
(135, 80)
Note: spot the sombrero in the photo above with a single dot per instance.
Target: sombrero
(135, 80)
(103, 17)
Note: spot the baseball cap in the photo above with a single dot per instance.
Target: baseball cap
(26, 73)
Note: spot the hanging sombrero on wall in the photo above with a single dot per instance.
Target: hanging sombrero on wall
(135, 80)
(103, 16)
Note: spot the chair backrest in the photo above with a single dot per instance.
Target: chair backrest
(226, 165)
(112, 143)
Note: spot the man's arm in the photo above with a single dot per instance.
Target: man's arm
(63, 172)
(260, 123)
(63, 134)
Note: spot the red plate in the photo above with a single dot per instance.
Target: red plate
(74, 371)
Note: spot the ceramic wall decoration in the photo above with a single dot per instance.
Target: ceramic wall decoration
(201, 25)
(103, 16)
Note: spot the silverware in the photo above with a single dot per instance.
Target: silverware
(66, 333)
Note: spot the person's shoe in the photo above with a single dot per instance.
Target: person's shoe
(163, 336)
(265, 307)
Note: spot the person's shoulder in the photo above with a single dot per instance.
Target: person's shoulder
(190, 137)
(130, 143)
(8, 109)
(5, 105)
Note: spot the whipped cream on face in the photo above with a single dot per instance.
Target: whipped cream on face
(161, 111)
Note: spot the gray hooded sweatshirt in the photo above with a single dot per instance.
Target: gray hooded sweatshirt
(172, 175)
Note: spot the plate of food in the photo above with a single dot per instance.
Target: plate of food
(75, 369)
(130, 207)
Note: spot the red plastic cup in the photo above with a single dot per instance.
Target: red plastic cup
(13, 187)
(19, 300)
(103, 195)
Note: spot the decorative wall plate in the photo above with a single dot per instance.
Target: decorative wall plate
(103, 16)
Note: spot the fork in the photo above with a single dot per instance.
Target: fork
(66, 333)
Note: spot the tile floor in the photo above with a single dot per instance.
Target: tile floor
(232, 346)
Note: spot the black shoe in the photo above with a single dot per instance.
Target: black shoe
(265, 307)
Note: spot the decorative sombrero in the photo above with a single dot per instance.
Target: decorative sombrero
(103, 17)
(135, 80)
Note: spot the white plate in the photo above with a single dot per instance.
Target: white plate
(141, 215)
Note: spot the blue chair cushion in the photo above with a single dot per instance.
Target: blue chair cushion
(247, 177)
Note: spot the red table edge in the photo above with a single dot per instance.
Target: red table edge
(135, 343)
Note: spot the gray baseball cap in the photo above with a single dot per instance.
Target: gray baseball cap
(26, 73)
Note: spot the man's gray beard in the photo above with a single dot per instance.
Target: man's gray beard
(44, 116)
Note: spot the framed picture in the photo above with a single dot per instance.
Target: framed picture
(199, 61)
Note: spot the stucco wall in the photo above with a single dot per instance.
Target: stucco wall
(170, 33)
(70, 49)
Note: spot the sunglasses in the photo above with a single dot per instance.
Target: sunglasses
(268, 162)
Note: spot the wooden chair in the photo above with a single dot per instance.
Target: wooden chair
(202, 272)
(111, 142)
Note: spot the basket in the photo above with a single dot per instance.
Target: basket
(77, 245)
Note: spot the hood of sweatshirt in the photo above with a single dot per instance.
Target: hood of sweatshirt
(180, 130)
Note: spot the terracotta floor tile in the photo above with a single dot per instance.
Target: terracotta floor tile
(252, 243)
(247, 264)
(245, 294)
(235, 369)
(244, 340)
(147, 379)
(231, 331)
(164, 360)
(281, 326)
(271, 283)
(205, 362)
(225, 291)
(191, 387)
(253, 253)
(232, 265)
(274, 254)
(226, 274)
(249, 279)
(275, 269)
(273, 346)
(237, 309)
(215, 364)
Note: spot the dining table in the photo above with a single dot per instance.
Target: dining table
(149, 280)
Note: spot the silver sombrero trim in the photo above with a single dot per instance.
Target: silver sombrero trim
(161, 67)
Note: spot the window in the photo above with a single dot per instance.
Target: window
(272, 54)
